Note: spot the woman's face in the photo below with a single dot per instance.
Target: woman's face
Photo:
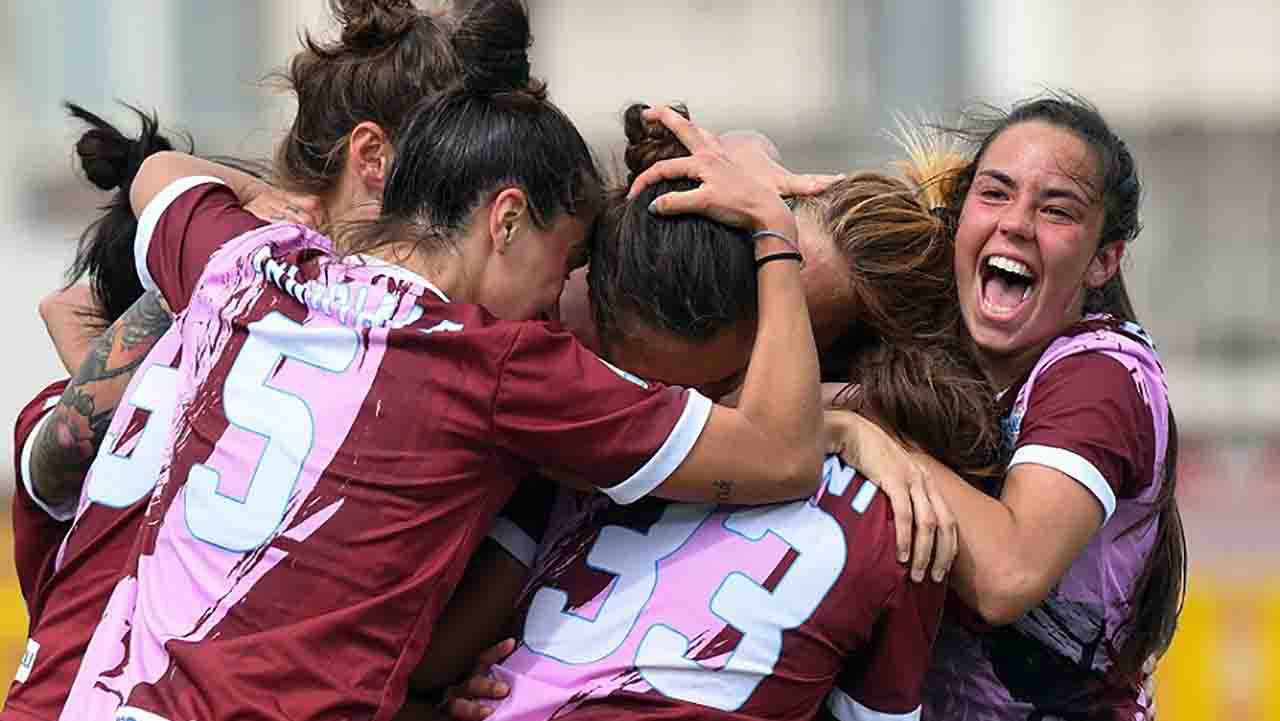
(714, 366)
(527, 278)
(1027, 242)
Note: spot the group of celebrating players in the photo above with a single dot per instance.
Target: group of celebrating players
(435, 421)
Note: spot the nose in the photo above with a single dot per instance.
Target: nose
(1017, 221)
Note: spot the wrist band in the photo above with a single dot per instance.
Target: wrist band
(780, 255)
(773, 234)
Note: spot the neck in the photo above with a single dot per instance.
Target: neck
(350, 203)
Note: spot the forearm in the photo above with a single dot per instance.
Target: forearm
(161, 169)
(66, 314)
(66, 446)
(780, 394)
(1015, 548)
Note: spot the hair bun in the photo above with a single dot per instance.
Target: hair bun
(373, 24)
(649, 141)
(108, 158)
(492, 42)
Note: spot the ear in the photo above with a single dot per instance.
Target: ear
(506, 214)
(369, 153)
(1105, 264)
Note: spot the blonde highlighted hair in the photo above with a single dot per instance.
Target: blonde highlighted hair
(908, 357)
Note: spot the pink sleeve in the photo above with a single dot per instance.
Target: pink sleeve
(180, 228)
(886, 682)
(560, 406)
(1086, 419)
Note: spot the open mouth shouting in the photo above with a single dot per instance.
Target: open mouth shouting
(1006, 286)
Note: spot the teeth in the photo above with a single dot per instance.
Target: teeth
(1009, 265)
(1026, 292)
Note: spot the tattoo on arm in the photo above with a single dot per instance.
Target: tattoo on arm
(68, 442)
(724, 491)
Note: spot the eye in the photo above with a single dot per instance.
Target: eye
(1059, 213)
(993, 194)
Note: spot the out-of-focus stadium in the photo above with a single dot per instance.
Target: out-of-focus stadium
(1194, 86)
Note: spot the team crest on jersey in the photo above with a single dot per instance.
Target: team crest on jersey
(625, 375)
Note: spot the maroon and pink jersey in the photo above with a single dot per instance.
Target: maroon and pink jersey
(1096, 408)
(665, 610)
(112, 502)
(38, 528)
(344, 437)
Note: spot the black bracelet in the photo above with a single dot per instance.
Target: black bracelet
(780, 255)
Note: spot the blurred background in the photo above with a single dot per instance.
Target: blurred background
(1194, 87)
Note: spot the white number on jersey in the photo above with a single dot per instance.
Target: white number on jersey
(760, 615)
(119, 481)
(283, 419)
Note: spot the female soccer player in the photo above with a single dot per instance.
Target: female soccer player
(658, 610)
(351, 421)
(352, 93)
(1075, 568)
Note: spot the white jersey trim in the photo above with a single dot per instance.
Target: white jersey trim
(65, 512)
(697, 409)
(1074, 465)
(845, 708)
(150, 218)
(513, 540)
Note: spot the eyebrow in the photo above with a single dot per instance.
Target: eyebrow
(1051, 192)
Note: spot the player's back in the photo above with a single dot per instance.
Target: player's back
(696, 611)
(312, 493)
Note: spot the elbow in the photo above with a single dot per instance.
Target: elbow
(48, 306)
(802, 469)
(1009, 595)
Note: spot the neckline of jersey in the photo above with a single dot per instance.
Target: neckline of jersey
(401, 272)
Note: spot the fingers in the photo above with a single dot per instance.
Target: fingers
(673, 169)
(903, 517)
(483, 686)
(679, 203)
(467, 710)
(691, 136)
(494, 654)
(805, 185)
(926, 525)
(948, 544)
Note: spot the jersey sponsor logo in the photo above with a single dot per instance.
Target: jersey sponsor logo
(28, 661)
(624, 375)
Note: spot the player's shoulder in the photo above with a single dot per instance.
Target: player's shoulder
(37, 408)
(863, 512)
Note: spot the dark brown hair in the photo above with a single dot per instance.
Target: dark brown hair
(907, 355)
(494, 129)
(686, 275)
(388, 57)
(110, 160)
(1161, 588)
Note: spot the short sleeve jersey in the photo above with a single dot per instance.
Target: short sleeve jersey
(112, 503)
(665, 610)
(344, 439)
(1095, 408)
(38, 528)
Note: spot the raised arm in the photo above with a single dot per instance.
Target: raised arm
(65, 447)
(770, 447)
(65, 313)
